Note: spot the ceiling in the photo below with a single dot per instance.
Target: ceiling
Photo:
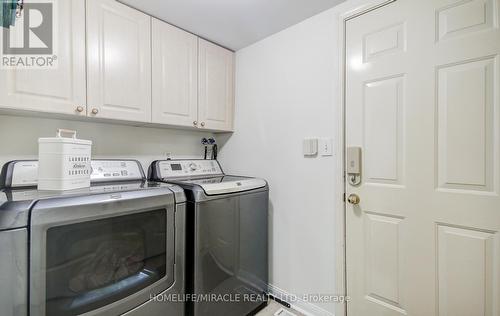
(232, 23)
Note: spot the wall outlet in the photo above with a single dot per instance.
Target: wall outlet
(325, 147)
(283, 312)
(209, 152)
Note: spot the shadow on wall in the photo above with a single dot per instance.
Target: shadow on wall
(222, 139)
(20, 139)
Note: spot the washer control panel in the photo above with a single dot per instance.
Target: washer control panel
(188, 168)
(115, 170)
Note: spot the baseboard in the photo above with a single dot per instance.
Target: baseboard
(299, 305)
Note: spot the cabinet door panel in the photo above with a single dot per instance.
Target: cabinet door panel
(175, 74)
(118, 61)
(54, 90)
(216, 86)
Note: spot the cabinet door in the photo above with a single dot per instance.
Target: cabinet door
(175, 75)
(55, 90)
(216, 87)
(118, 61)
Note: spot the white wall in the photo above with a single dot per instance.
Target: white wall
(287, 88)
(19, 139)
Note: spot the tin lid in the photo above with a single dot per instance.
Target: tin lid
(66, 140)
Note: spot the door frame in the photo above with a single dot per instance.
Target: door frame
(351, 12)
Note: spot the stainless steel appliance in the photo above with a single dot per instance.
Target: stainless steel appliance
(227, 236)
(116, 248)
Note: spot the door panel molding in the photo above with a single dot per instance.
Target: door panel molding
(409, 242)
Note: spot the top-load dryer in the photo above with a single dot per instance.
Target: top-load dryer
(227, 236)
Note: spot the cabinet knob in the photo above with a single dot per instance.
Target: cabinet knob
(195, 123)
(95, 111)
(79, 109)
(202, 124)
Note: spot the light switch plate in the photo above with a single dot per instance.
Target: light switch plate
(310, 146)
(325, 147)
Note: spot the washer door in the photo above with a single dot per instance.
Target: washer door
(99, 255)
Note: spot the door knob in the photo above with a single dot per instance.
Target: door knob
(79, 109)
(202, 124)
(195, 123)
(95, 111)
(353, 199)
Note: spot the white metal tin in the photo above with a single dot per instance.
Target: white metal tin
(64, 163)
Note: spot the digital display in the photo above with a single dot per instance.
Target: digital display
(176, 166)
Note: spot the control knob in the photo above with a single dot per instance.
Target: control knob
(192, 166)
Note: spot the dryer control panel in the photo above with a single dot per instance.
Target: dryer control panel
(171, 169)
(116, 170)
(24, 173)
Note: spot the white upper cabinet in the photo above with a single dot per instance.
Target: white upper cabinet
(215, 87)
(175, 75)
(118, 62)
(55, 90)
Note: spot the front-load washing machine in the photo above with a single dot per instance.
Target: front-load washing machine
(116, 248)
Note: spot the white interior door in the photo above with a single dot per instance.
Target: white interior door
(175, 75)
(216, 86)
(118, 61)
(423, 103)
(54, 90)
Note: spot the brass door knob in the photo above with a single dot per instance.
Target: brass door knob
(353, 199)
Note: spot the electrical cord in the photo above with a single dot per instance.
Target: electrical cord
(214, 152)
(210, 142)
(205, 142)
